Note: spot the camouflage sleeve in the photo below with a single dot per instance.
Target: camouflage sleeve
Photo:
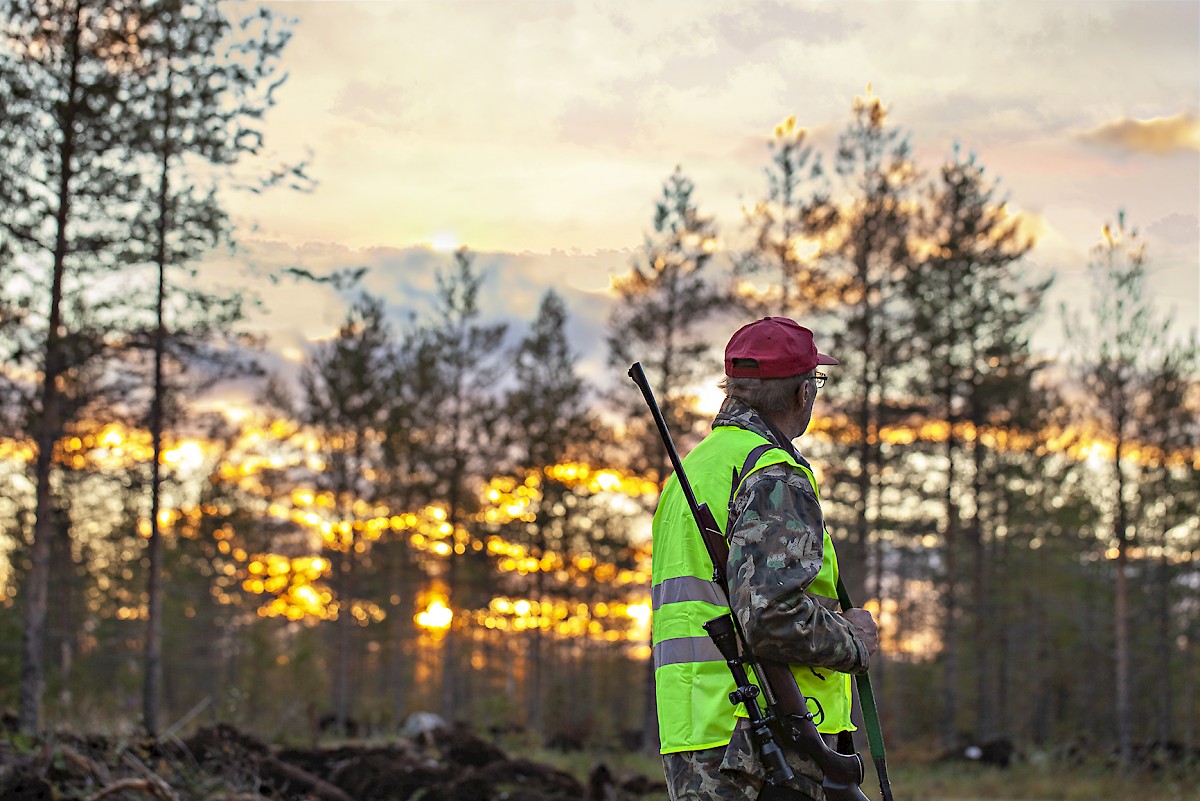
(775, 550)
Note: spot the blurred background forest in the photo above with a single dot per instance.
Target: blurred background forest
(439, 513)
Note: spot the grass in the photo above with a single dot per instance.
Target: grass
(1036, 782)
(915, 780)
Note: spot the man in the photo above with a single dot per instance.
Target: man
(782, 574)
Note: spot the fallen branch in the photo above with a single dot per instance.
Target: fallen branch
(162, 789)
(85, 764)
(321, 788)
(146, 786)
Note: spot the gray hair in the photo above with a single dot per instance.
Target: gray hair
(770, 395)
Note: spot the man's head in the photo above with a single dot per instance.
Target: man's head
(771, 365)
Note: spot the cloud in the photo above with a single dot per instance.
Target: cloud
(1160, 135)
(1176, 230)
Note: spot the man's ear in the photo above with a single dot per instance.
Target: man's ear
(803, 392)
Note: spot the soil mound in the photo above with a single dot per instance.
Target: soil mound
(221, 763)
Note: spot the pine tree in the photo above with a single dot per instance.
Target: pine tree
(971, 317)
(1113, 350)
(664, 305)
(462, 420)
(1165, 511)
(204, 84)
(866, 229)
(546, 415)
(66, 191)
(344, 399)
(408, 481)
(785, 227)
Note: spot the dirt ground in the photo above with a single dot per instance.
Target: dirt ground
(224, 764)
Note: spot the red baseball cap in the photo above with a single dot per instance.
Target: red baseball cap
(773, 347)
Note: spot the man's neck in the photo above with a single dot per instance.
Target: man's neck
(780, 429)
(784, 427)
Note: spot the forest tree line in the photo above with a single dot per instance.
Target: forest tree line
(440, 513)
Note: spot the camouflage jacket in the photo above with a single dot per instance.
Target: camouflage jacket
(776, 543)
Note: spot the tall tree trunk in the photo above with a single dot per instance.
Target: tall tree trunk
(1192, 635)
(1166, 717)
(1003, 635)
(1048, 702)
(878, 662)
(950, 599)
(984, 725)
(452, 684)
(534, 676)
(152, 681)
(344, 625)
(651, 742)
(855, 555)
(62, 620)
(49, 425)
(400, 667)
(1121, 608)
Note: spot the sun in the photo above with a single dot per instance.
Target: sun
(444, 242)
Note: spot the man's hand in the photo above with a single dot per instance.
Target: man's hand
(865, 625)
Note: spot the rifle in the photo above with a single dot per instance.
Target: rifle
(787, 712)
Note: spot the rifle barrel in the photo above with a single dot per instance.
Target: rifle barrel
(639, 377)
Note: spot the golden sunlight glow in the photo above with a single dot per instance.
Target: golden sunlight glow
(911, 644)
(187, 455)
(294, 587)
(612, 622)
(803, 249)
(575, 474)
(22, 451)
(294, 583)
(709, 400)
(110, 437)
(639, 611)
(436, 616)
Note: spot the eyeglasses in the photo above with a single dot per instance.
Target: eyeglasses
(820, 379)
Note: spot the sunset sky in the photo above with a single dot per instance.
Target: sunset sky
(538, 133)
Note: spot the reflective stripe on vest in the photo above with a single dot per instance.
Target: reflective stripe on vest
(685, 588)
(686, 649)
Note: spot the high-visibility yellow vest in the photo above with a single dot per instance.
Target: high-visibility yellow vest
(692, 681)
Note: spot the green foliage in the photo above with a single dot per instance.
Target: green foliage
(663, 306)
(787, 221)
(547, 410)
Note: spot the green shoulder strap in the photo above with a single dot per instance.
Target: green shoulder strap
(870, 712)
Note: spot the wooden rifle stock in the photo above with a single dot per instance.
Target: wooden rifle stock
(783, 696)
(788, 710)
